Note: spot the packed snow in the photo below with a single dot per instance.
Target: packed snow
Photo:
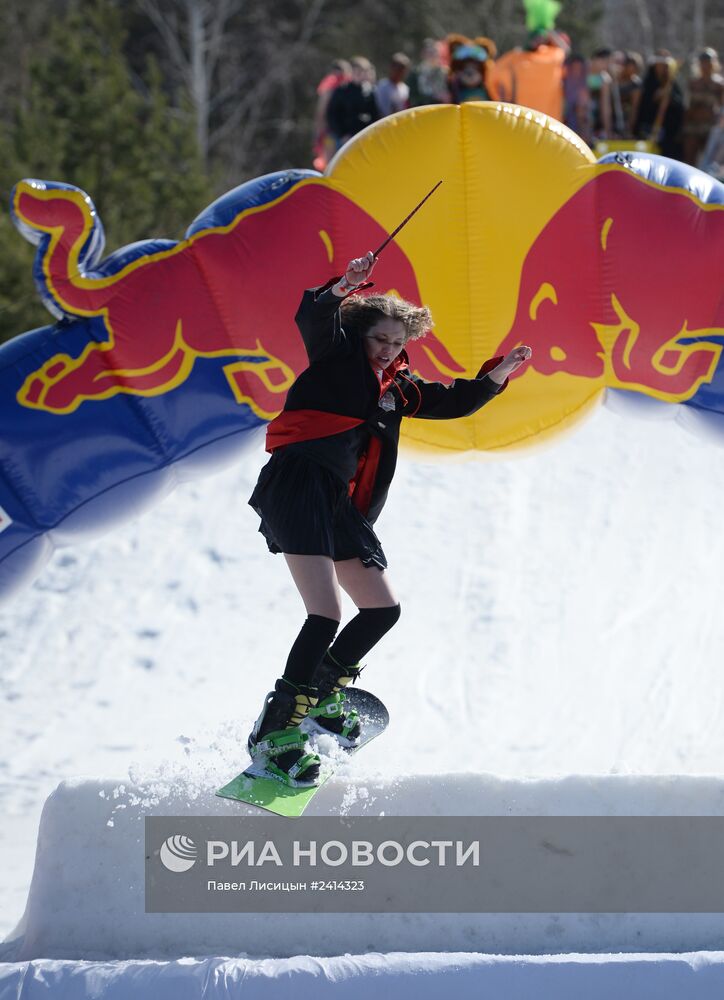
(356, 977)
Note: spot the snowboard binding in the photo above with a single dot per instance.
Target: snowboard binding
(330, 715)
(276, 795)
(277, 744)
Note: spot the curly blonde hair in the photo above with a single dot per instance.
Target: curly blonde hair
(361, 312)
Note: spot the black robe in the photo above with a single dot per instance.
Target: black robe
(341, 380)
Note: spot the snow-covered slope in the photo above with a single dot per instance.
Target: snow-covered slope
(561, 616)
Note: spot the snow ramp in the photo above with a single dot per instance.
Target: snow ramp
(87, 898)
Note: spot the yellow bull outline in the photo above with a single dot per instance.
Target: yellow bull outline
(188, 355)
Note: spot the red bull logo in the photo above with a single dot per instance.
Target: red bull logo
(614, 280)
(628, 301)
(229, 293)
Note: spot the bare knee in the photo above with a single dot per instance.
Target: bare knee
(322, 600)
(315, 579)
(327, 609)
(366, 585)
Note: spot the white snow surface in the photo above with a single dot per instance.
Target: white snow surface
(560, 622)
(87, 898)
(463, 976)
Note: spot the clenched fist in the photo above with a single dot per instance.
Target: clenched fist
(359, 269)
(510, 363)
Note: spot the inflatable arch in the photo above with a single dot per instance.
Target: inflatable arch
(167, 356)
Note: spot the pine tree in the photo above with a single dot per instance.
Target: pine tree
(86, 121)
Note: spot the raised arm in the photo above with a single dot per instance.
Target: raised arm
(318, 313)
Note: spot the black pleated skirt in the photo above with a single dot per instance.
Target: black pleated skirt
(306, 510)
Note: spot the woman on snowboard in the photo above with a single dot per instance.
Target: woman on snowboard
(334, 450)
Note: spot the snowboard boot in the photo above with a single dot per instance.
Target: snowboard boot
(277, 743)
(329, 715)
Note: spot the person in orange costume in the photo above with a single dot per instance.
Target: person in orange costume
(533, 76)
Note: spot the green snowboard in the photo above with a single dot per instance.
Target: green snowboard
(258, 789)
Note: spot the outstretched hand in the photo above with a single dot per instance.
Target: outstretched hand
(510, 363)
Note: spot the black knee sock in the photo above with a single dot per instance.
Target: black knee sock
(364, 631)
(309, 647)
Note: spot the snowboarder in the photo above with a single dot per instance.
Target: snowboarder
(333, 455)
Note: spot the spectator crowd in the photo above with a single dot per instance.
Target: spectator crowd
(613, 99)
